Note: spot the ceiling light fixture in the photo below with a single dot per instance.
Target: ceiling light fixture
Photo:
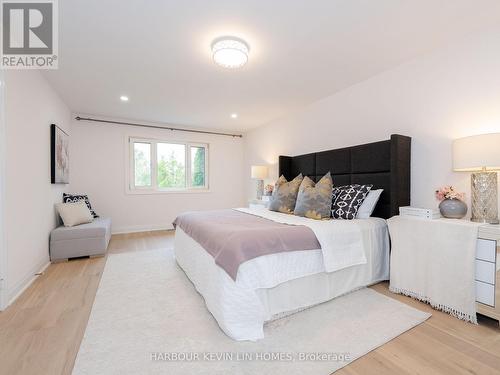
(124, 98)
(234, 115)
(230, 52)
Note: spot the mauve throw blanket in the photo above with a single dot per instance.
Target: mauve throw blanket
(233, 237)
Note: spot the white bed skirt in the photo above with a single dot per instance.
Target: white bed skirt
(274, 285)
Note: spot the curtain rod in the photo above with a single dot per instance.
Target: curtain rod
(78, 118)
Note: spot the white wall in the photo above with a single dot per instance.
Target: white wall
(451, 93)
(31, 105)
(3, 249)
(99, 163)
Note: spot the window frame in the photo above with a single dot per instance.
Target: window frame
(154, 189)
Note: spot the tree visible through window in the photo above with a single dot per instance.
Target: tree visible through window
(142, 155)
(168, 166)
(198, 166)
(171, 165)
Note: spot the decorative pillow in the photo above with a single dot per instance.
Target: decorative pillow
(74, 213)
(315, 200)
(368, 206)
(285, 195)
(72, 198)
(347, 200)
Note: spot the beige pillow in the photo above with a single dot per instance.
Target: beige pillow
(74, 213)
(315, 200)
(285, 195)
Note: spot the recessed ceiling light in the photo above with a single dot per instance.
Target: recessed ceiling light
(124, 98)
(230, 52)
(234, 115)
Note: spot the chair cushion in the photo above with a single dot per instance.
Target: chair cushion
(67, 198)
(74, 213)
(99, 227)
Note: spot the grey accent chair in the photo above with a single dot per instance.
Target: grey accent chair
(90, 239)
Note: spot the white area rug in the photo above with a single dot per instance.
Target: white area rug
(146, 312)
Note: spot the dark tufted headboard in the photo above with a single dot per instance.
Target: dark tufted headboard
(384, 164)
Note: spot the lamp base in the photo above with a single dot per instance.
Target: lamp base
(484, 192)
(260, 188)
(492, 221)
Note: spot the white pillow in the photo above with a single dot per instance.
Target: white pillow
(368, 205)
(74, 213)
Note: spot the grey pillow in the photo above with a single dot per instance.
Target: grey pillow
(315, 200)
(285, 194)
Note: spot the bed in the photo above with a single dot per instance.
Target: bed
(244, 293)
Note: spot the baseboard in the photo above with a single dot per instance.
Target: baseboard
(24, 284)
(141, 228)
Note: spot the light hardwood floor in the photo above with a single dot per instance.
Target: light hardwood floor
(41, 332)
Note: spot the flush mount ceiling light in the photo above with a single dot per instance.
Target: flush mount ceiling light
(124, 98)
(230, 52)
(234, 115)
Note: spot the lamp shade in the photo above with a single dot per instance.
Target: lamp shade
(476, 153)
(259, 172)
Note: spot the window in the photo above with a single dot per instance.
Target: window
(142, 166)
(171, 166)
(158, 166)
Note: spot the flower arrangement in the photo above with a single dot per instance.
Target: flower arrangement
(448, 192)
(268, 190)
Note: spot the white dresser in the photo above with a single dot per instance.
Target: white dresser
(487, 271)
(421, 264)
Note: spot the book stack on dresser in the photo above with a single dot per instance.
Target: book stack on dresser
(423, 213)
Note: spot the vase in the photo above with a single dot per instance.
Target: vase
(453, 208)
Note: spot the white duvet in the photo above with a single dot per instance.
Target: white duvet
(341, 240)
(260, 291)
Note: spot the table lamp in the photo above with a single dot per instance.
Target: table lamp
(480, 154)
(259, 173)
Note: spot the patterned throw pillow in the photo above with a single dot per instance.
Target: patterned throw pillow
(315, 200)
(347, 200)
(71, 198)
(285, 195)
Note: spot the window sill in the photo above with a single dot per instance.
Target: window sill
(153, 192)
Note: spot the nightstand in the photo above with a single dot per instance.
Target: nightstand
(435, 261)
(257, 203)
(488, 271)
